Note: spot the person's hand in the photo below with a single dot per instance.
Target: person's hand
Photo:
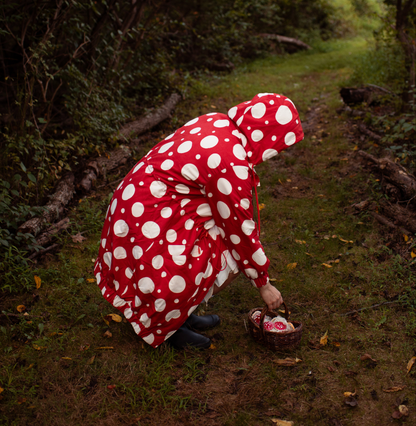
(271, 296)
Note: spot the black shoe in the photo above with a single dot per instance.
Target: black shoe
(184, 337)
(204, 322)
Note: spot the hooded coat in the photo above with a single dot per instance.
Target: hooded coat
(186, 206)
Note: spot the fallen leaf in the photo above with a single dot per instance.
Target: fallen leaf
(367, 356)
(412, 254)
(84, 347)
(405, 237)
(261, 206)
(91, 360)
(213, 106)
(410, 364)
(287, 362)
(336, 344)
(37, 347)
(111, 387)
(282, 422)
(67, 357)
(114, 317)
(1, 389)
(394, 389)
(326, 265)
(212, 346)
(326, 237)
(331, 369)
(21, 400)
(90, 280)
(21, 308)
(324, 339)
(78, 238)
(397, 415)
(30, 366)
(348, 394)
(355, 148)
(291, 265)
(404, 411)
(105, 347)
(37, 281)
(108, 334)
(300, 241)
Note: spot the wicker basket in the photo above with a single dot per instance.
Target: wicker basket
(272, 340)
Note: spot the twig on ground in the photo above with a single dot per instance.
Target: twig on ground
(38, 253)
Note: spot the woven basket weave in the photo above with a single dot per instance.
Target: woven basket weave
(272, 340)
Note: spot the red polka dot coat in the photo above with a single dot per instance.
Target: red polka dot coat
(159, 255)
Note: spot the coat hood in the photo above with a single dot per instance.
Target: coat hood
(267, 124)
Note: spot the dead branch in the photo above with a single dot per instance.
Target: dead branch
(144, 124)
(62, 196)
(363, 129)
(40, 252)
(48, 235)
(287, 40)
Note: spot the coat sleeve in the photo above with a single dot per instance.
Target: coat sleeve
(229, 194)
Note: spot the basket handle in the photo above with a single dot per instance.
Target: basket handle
(264, 312)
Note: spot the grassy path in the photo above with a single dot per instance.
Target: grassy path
(66, 363)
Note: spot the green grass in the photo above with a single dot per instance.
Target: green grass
(63, 364)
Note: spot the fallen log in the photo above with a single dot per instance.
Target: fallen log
(395, 174)
(48, 235)
(287, 40)
(359, 95)
(400, 216)
(53, 210)
(144, 124)
(368, 132)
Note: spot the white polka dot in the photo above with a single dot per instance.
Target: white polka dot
(232, 112)
(259, 257)
(284, 115)
(176, 249)
(251, 273)
(160, 305)
(269, 153)
(150, 230)
(239, 152)
(257, 135)
(179, 260)
(204, 210)
(177, 284)
(121, 228)
(166, 212)
(149, 339)
(103, 242)
(197, 156)
(258, 110)
(145, 320)
(118, 302)
(189, 224)
(214, 161)
(171, 235)
(146, 285)
(128, 313)
(120, 253)
(158, 189)
(182, 189)
(176, 313)
(240, 120)
(167, 165)
(157, 262)
(290, 138)
(221, 123)
(193, 131)
(198, 278)
(185, 201)
(165, 147)
(137, 252)
(113, 206)
(224, 186)
(241, 172)
(136, 327)
(107, 259)
(223, 210)
(193, 121)
(185, 147)
(208, 271)
(137, 301)
(190, 172)
(128, 272)
(209, 141)
(235, 239)
(245, 203)
(248, 226)
(137, 209)
(128, 192)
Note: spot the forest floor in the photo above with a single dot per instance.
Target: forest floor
(63, 361)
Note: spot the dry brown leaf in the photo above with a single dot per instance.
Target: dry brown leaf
(282, 422)
(108, 334)
(91, 360)
(1, 389)
(324, 339)
(367, 356)
(78, 238)
(37, 281)
(292, 265)
(90, 280)
(410, 364)
(212, 346)
(105, 347)
(348, 394)
(67, 357)
(21, 308)
(394, 389)
(115, 317)
(261, 206)
(287, 362)
(37, 347)
(326, 265)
